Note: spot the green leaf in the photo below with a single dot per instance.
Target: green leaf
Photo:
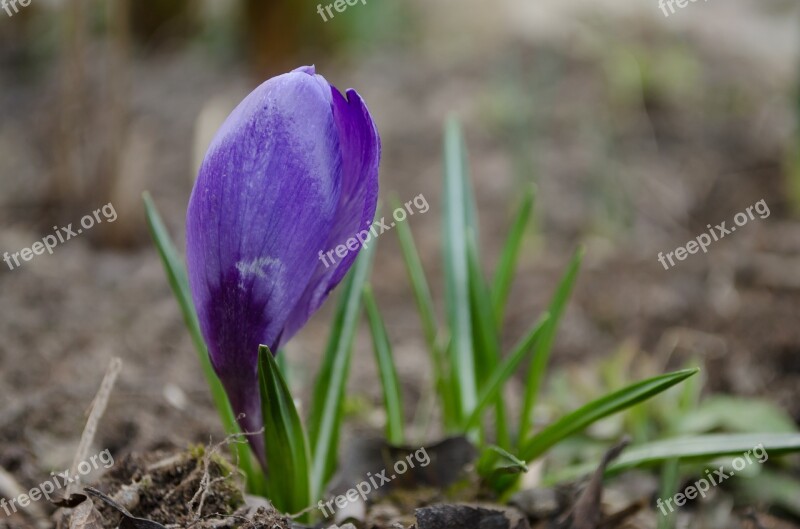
(392, 398)
(419, 284)
(456, 222)
(669, 486)
(594, 411)
(690, 450)
(283, 365)
(470, 209)
(736, 414)
(327, 405)
(506, 369)
(511, 460)
(485, 337)
(179, 281)
(500, 462)
(287, 486)
(427, 314)
(704, 448)
(504, 275)
(541, 355)
(772, 488)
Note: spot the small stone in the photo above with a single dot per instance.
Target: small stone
(538, 504)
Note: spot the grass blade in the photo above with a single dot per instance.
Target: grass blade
(287, 485)
(392, 398)
(462, 361)
(704, 448)
(507, 368)
(541, 355)
(419, 284)
(179, 282)
(603, 407)
(773, 488)
(512, 463)
(283, 365)
(326, 407)
(735, 415)
(427, 313)
(497, 463)
(689, 450)
(485, 337)
(669, 486)
(504, 275)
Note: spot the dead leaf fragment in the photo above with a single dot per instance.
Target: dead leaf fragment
(587, 512)
(128, 521)
(85, 516)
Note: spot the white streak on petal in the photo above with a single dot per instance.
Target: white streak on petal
(261, 268)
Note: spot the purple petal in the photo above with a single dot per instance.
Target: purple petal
(310, 70)
(264, 204)
(355, 211)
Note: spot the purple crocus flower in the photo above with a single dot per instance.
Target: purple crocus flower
(291, 173)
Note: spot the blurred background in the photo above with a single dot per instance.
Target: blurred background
(637, 130)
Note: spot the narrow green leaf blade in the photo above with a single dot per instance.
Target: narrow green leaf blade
(326, 407)
(511, 461)
(392, 398)
(485, 334)
(504, 275)
(500, 463)
(485, 337)
(179, 282)
(427, 314)
(669, 486)
(288, 485)
(735, 415)
(461, 351)
(506, 369)
(603, 407)
(283, 365)
(541, 355)
(704, 448)
(419, 283)
(689, 450)
(773, 488)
